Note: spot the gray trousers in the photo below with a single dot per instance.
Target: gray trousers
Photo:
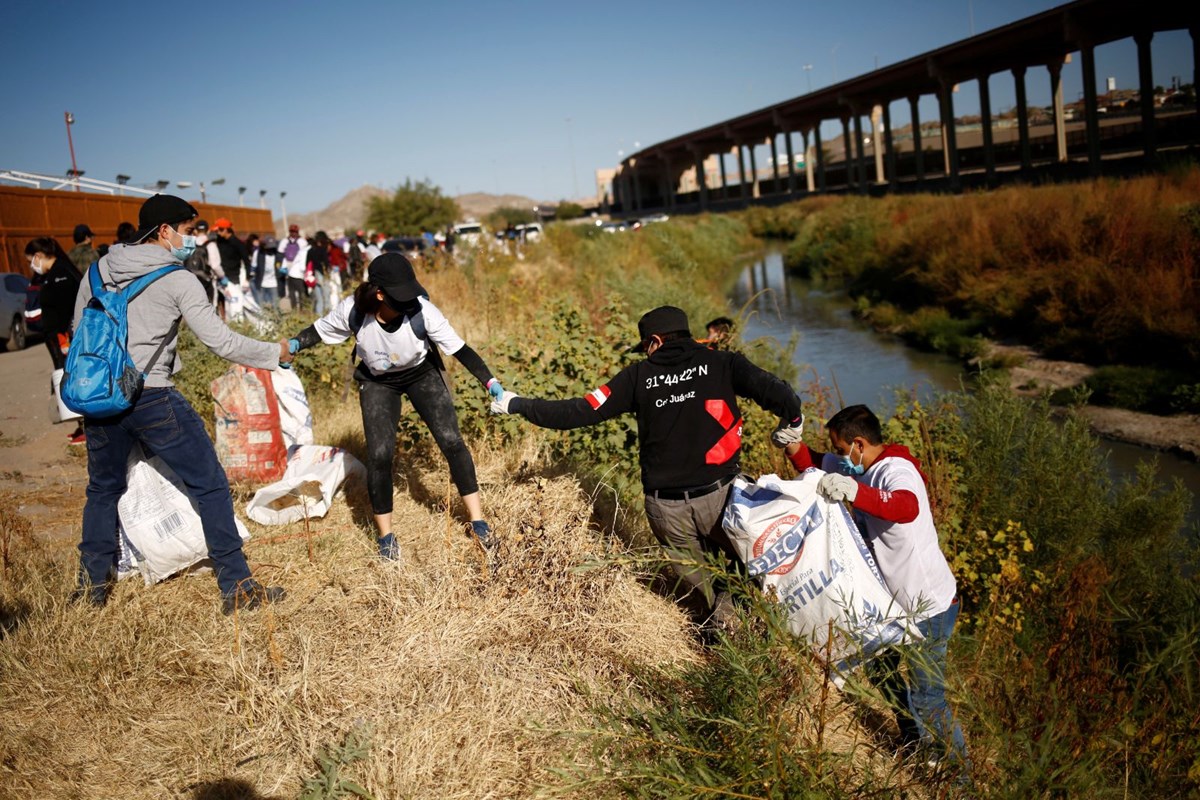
(690, 531)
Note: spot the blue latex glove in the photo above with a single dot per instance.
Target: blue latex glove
(293, 348)
(495, 389)
(224, 282)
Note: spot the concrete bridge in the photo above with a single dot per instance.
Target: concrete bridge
(689, 173)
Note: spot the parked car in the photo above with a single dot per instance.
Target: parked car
(530, 232)
(16, 295)
(412, 247)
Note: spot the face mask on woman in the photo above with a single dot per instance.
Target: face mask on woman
(36, 264)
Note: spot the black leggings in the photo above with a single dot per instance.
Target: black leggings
(381, 413)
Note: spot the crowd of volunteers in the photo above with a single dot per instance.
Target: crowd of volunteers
(683, 392)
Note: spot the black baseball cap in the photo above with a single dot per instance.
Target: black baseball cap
(662, 320)
(82, 232)
(393, 273)
(162, 209)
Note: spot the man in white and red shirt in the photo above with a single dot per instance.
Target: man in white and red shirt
(886, 489)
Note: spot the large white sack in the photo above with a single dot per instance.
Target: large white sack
(809, 553)
(314, 475)
(58, 409)
(295, 417)
(161, 532)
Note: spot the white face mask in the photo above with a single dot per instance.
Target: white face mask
(37, 265)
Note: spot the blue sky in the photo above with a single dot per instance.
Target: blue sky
(317, 99)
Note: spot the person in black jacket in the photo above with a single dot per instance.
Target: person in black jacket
(690, 437)
(59, 283)
(235, 261)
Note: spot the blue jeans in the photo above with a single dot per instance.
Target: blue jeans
(318, 293)
(165, 426)
(924, 717)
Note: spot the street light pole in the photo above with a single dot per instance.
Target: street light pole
(283, 209)
(70, 120)
(808, 74)
(241, 197)
(262, 198)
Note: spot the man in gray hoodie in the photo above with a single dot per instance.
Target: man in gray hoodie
(161, 420)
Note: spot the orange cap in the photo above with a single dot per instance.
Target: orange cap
(222, 223)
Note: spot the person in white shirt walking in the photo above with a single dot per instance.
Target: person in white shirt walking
(293, 256)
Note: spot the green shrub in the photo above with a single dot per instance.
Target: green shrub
(1156, 391)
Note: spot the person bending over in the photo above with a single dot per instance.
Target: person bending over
(396, 329)
(886, 489)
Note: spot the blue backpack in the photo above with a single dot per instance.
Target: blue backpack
(99, 378)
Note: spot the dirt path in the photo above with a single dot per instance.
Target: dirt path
(46, 475)
(1178, 434)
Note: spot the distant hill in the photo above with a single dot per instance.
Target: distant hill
(347, 213)
(478, 205)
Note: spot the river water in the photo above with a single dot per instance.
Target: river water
(868, 367)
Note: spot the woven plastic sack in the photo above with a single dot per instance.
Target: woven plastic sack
(161, 532)
(314, 475)
(809, 554)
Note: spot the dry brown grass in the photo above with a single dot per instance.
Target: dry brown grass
(460, 677)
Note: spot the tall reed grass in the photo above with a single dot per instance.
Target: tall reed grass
(1105, 271)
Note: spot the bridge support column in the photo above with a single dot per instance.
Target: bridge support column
(787, 140)
(876, 143)
(985, 119)
(774, 163)
(724, 177)
(949, 132)
(1091, 114)
(1146, 89)
(918, 153)
(888, 144)
(1022, 118)
(741, 172)
(701, 178)
(820, 153)
(809, 160)
(860, 155)
(1060, 122)
(848, 151)
(754, 189)
(670, 185)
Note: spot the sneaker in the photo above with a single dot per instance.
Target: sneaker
(389, 548)
(250, 597)
(78, 438)
(484, 534)
(724, 616)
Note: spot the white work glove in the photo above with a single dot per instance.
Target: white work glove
(788, 432)
(500, 404)
(835, 488)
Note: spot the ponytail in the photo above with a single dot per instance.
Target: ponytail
(366, 299)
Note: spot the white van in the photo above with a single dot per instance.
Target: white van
(468, 233)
